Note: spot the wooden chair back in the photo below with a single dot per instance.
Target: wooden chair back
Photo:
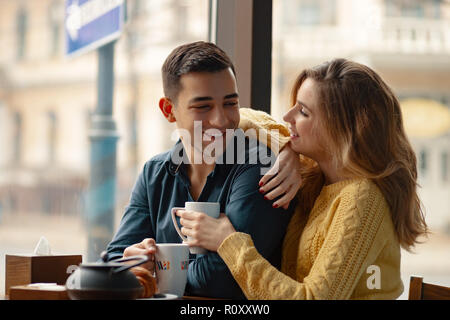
(419, 290)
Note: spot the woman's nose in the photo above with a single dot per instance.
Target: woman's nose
(288, 116)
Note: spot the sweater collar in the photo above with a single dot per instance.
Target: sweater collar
(335, 188)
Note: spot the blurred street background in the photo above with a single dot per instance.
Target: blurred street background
(47, 100)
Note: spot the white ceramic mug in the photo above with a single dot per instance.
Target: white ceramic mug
(171, 264)
(212, 209)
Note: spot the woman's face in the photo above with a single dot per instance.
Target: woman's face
(304, 122)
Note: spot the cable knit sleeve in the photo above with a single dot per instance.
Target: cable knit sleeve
(263, 127)
(258, 279)
(347, 249)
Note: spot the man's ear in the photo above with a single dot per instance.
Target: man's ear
(166, 107)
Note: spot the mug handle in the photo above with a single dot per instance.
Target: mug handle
(174, 220)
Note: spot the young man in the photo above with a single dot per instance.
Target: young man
(201, 97)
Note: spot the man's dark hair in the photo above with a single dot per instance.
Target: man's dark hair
(197, 56)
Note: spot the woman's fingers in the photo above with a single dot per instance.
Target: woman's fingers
(203, 230)
(193, 221)
(286, 190)
(270, 174)
(282, 173)
(286, 199)
(187, 232)
(187, 220)
(283, 180)
(289, 184)
(272, 184)
(278, 191)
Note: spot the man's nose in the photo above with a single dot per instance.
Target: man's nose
(218, 118)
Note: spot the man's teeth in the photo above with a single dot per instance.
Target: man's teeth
(215, 134)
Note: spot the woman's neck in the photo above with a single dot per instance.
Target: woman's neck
(330, 172)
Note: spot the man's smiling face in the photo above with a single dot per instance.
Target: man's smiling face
(210, 99)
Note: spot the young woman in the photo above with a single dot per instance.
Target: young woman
(357, 203)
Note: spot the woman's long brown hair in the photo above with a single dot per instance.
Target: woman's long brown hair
(363, 121)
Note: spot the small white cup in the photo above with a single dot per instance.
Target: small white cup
(212, 209)
(171, 264)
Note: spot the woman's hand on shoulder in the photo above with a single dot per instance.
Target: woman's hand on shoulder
(283, 179)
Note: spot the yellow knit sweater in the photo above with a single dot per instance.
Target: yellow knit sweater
(345, 248)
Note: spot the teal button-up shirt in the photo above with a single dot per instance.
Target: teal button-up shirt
(163, 184)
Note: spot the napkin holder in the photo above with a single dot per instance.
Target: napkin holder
(26, 269)
(38, 291)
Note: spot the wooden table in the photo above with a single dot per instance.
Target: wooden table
(4, 297)
(200, 298)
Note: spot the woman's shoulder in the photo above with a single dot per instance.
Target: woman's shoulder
(359, 192)
(364, 195)
(360, 204)
(360, 187)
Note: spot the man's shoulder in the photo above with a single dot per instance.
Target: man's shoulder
(249, 151)
(160, 157)
(157, 162)
(256, 147)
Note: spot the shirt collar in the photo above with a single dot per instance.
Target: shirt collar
(177, 159)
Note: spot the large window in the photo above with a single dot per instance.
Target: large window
(46, 108)
(21, 32)
(423, 162)
(445, 167)
(55, 26)
(309, 12)
(405, 42)
(17, 138)
(414, 8)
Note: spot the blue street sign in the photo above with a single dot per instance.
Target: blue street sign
(90, 24)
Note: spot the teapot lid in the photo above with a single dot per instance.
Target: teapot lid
(103, 262)
(119, 264)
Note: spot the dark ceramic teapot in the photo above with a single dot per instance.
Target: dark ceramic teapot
(105, 280)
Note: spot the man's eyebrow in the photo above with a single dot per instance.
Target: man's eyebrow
(231, 96)
(200, 99)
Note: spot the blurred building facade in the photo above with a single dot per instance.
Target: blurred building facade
(46, 100)
(407, 42)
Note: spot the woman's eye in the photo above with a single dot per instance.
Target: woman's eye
(303, 113)
(201, 107)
